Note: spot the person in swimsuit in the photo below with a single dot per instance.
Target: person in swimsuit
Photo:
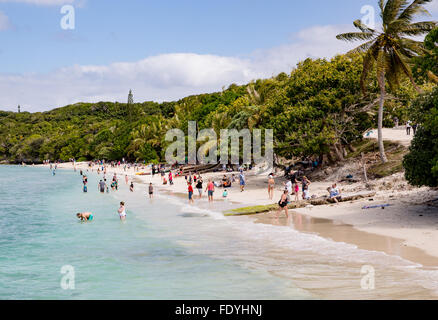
(151, 190)
(85, 216)
(131, 187)
(271, 184)
(122, 211)
(296, 189)
(284, 200)
(210, 190)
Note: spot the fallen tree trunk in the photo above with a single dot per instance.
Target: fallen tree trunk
(299, 204)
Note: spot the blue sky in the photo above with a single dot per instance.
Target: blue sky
(163, 50)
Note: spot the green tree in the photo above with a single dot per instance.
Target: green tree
(391, 48)
(421, 164)
(426, 67)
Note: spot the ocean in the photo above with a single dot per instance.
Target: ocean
(167, 249)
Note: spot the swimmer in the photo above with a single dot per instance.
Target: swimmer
(85, 216)
(122, 211)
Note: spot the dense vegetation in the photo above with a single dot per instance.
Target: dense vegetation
(316, 110)
(421, 164)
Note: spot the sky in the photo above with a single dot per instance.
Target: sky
(162, 50)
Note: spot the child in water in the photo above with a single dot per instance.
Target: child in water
(225, 193)
(122, 211)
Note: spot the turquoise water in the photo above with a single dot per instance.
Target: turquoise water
(167, 249)
(144, 258)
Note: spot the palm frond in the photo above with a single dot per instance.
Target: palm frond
(368, 63)
(411, 48)
(418, 28)
(355, 36)
(416, 7)
(392, 10)
(405, 68)
(362, 27)
(362, 48)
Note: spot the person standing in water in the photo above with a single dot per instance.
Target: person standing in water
(126, 178)
(101, 186)
(210, 190)
(131, 187)
(190, 190)
(284, 200)
(122, 211)
(85, 216)
(199, 186)
(151, 190)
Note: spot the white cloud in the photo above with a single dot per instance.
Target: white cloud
(4, 22)
(163, 77)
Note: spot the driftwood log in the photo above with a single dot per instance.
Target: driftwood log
(299, 204)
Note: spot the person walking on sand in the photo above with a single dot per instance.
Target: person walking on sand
(190, 190)
(170, 178)
(414, 128)
(122, 211)
(408, 128)
(271, 185)
(284, 200)
(210, 190)
(151, 190)
(126, 179)
(242, 181)
(199, 186)
(131, 187)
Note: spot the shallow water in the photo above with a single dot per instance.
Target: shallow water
(167, 249)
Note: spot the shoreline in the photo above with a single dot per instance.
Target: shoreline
(405, 229)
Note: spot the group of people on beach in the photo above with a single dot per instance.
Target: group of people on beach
(292, 188)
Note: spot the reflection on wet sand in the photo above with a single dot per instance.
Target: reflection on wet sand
(340, 232)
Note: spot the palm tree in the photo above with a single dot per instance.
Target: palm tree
(391, 48)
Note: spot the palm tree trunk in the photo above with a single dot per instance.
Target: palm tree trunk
(380, 118)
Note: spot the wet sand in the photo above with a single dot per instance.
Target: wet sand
(342, 232)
